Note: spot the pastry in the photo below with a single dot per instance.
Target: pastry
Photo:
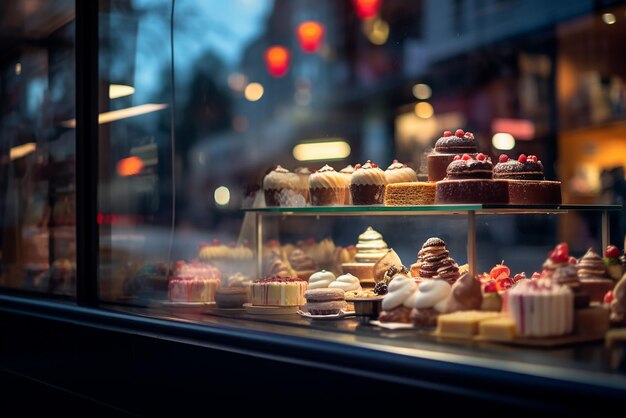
(568, 276)
(497, 329)
(526, 181)
(347, 173)
(541, 308)
(613, 262)
(327, 187)
(393, 271)
(321, 279)
(324, 301)
(385, 263)
(492, 301)
(370, 248)
(396, 307)
(410, 194)
(446, 148)
(231, 297)
(430, 300)
(463, 324)
(277, 267)
(466, 295)
(469, 180)
(283, 188)
(278, 291)
(346, 282)
(367, 184)
(303, 174)
(193, 282)
(400, 173)
(559, 257)
(434, 262)
(302, 264)
(593, 276)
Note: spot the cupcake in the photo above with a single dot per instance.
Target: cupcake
(327, 187)
(321, 279)
(397, 302)
(430, 300)
(284, 188)
(593, 276)
(302, 264)
(400, 173)
(303, 174)
(346, 172)
(367, 184)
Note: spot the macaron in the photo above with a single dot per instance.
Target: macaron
(327, 301)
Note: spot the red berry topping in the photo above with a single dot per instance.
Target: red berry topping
(500, 271)
(395, 161)
(522, 158)
(519, 276)
(612, 252)
(535, 276)
(374, 165)
(481, 156)
(447, 133)
(608, 298)
(503, 158)
(466, 157)
(459, 132)
(356, 167)
(456, 158)
(504, 283)
(572, 260)
(491, 287)
(468, 135)
(560, 254)
(533, 158)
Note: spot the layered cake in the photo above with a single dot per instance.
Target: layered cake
(328, 187)
(369, 249)
(397, 302)
(526, 182)
(400, 173)
(429, 302)
(367, 184)
(469, 180)
(303, 265)
(593, 276)
(324, 301)
(446, 148)
(284, 188)
(434, 262)
(541, 308)
(321, 279)
(410, 194)
(193, 282)
(278, 291)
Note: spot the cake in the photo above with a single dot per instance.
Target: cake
(302, 264)
(613, 262)
(367, 184)
(231, 297)
(568, 276)
(526, 181)
(193, 282)
(430, 300)
(469, 180)
(541, 308)
(278, 291)
(284, 188)
(369, 249)
(410, 194)
(559, 257)
(446, 148)
(303, 174)
(346, 172)
(497, 329)
(593, 276)
(324, 301)
(463, 324)
(328, 187)
(321, 279)
(618, 303)
(434, 262)
(400, 173)
(396, 303)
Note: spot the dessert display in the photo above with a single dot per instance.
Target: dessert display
(284, 188)
(410, 194)
(321, 279)
(302, 264)
(328, 187)
(446, 148)
(396, 304)
(429, 302)
(324, 301)
(278, 291)
(568, 276)
(400, 173)
(593, 276)
(231, 297)
(559, 257)
(469, 180)
(526, 181)
(434, 262)
(367, 184)
(541, 308)
(193, 282)
(303, 174)
(613, 262)
(463, 324)
(370, 248)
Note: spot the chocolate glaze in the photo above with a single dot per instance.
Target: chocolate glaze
(456, 145)
(466, 169)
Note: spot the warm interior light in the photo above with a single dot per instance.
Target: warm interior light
(521, 129)
(114, 115)
(129, 166)
(277, 61)
(609, 18)
(503, 141)
(328, 150)
(422, 91)
(377, 31)
(253, 92)
(424, 110)
(22, 150)
(367, 9)
(222, 196)
(18, 68)
(120, 90)
(237, 81)
(310, 35)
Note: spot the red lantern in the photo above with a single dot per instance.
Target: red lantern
(367, 9)
(310, 35)
(277, 60)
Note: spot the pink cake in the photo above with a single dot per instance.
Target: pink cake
(193, 282)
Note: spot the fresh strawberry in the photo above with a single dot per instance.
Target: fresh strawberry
(500, 271)
(519, 276)
(612, 252)
(484, 278)
(504, 283)
(572, 260)
(491, 287)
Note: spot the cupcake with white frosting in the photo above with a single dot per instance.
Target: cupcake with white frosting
(321, 279)
(283, 188)
(397, 303)
(430, 300)
(367, 184)
(347, 283)
(328, 187)
(400, 173)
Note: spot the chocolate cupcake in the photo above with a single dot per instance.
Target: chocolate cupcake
(327, 187)
(367, 184)
(446, 148)
(593, 276)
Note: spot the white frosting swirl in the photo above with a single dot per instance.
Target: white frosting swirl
(400, 173)
(346, 282)
(348, 170)
(281, 178)
(431, 293)
(327, 177)
(399, 291)
(368, 174)
(321, 279)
